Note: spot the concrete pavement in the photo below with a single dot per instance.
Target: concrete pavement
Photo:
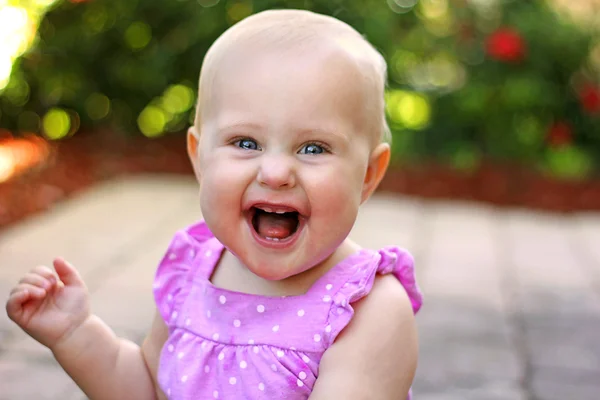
(512, 297)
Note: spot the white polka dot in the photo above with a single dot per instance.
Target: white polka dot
(170, 297)
(251, 341)
(293, 348)
(255, 349)
(232, 380)
(171, 348)
(180, 355)
(215, 336)
(192, 254)
(174, 315)
(274, 367)
(221, 356)
(184, 336)
(328, 286)
(275, 328)
(172, 256)
(188, 322)
(243, 364)
(345, 285)
(208, 313)
(340, 310)
(328, 328)
(168, 391)
(237, 323)
(300, 313)
(302, 375)
(156, 285)
(260, 308)
(216, 394)
(203, 345)
(305, 359)
(206, 369)
(280, 353)
(344, 303)
(222, 299)
(261, 386)
(208, 253)
(327, 298)
(317, 338)
(300, 383)
(184, 378)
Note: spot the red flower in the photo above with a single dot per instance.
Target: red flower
(506, 44)
(590, 98)
(560, 134)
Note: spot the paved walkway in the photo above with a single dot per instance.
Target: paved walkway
(512, 297)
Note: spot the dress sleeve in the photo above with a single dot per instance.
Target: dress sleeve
(389, 260)
(175, 271)
(401, 263)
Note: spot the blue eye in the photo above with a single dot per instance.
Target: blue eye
(312, 148)
(247, 144)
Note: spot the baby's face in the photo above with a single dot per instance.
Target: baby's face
(284, 148)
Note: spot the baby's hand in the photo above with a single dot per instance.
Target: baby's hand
(49, 305)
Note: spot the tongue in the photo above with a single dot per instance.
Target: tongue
(274, 225)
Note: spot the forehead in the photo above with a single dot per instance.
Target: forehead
(322, 84)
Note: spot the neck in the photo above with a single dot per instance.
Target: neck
(232, 274)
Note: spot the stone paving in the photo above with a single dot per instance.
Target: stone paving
(512, 306)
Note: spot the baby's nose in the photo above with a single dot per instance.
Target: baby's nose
(277, 172)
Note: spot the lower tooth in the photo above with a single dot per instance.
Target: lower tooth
(273, 239)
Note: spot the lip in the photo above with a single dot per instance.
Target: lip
(280, 244)
(282, 206)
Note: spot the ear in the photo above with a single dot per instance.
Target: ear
(378, 163)
(193, 142)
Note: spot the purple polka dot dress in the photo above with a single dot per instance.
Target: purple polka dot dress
(230, 345)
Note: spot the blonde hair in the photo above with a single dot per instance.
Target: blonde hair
(288, 29)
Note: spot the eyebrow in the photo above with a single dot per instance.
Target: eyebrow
(250, 126)
(239, 125)
(320, 131)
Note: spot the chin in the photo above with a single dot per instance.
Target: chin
(273, 267)
(270, 274)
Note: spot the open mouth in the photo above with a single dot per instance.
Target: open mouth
(273, 224)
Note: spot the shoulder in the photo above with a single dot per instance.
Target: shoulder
(386, 315)
(375, 356)
(192, 251)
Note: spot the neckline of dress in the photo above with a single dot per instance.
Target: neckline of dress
(349, 259)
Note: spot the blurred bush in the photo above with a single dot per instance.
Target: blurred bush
(469, 80)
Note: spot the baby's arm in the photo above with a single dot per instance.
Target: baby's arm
(103, 365)
(375, 356)
(151, 348)
(53, 308)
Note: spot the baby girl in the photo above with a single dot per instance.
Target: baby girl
(267, 297)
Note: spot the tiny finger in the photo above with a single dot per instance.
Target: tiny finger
(46, 272)
(36, 280)
(67, 273)
(18, 293)
(34, 291)
(15, 300)
(15, 290)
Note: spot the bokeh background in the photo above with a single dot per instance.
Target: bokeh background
(496, 102)
(493, 100)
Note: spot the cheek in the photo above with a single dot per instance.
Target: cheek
(336, 192)
(222, 184)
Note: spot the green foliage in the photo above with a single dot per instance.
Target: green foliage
(133, 66)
